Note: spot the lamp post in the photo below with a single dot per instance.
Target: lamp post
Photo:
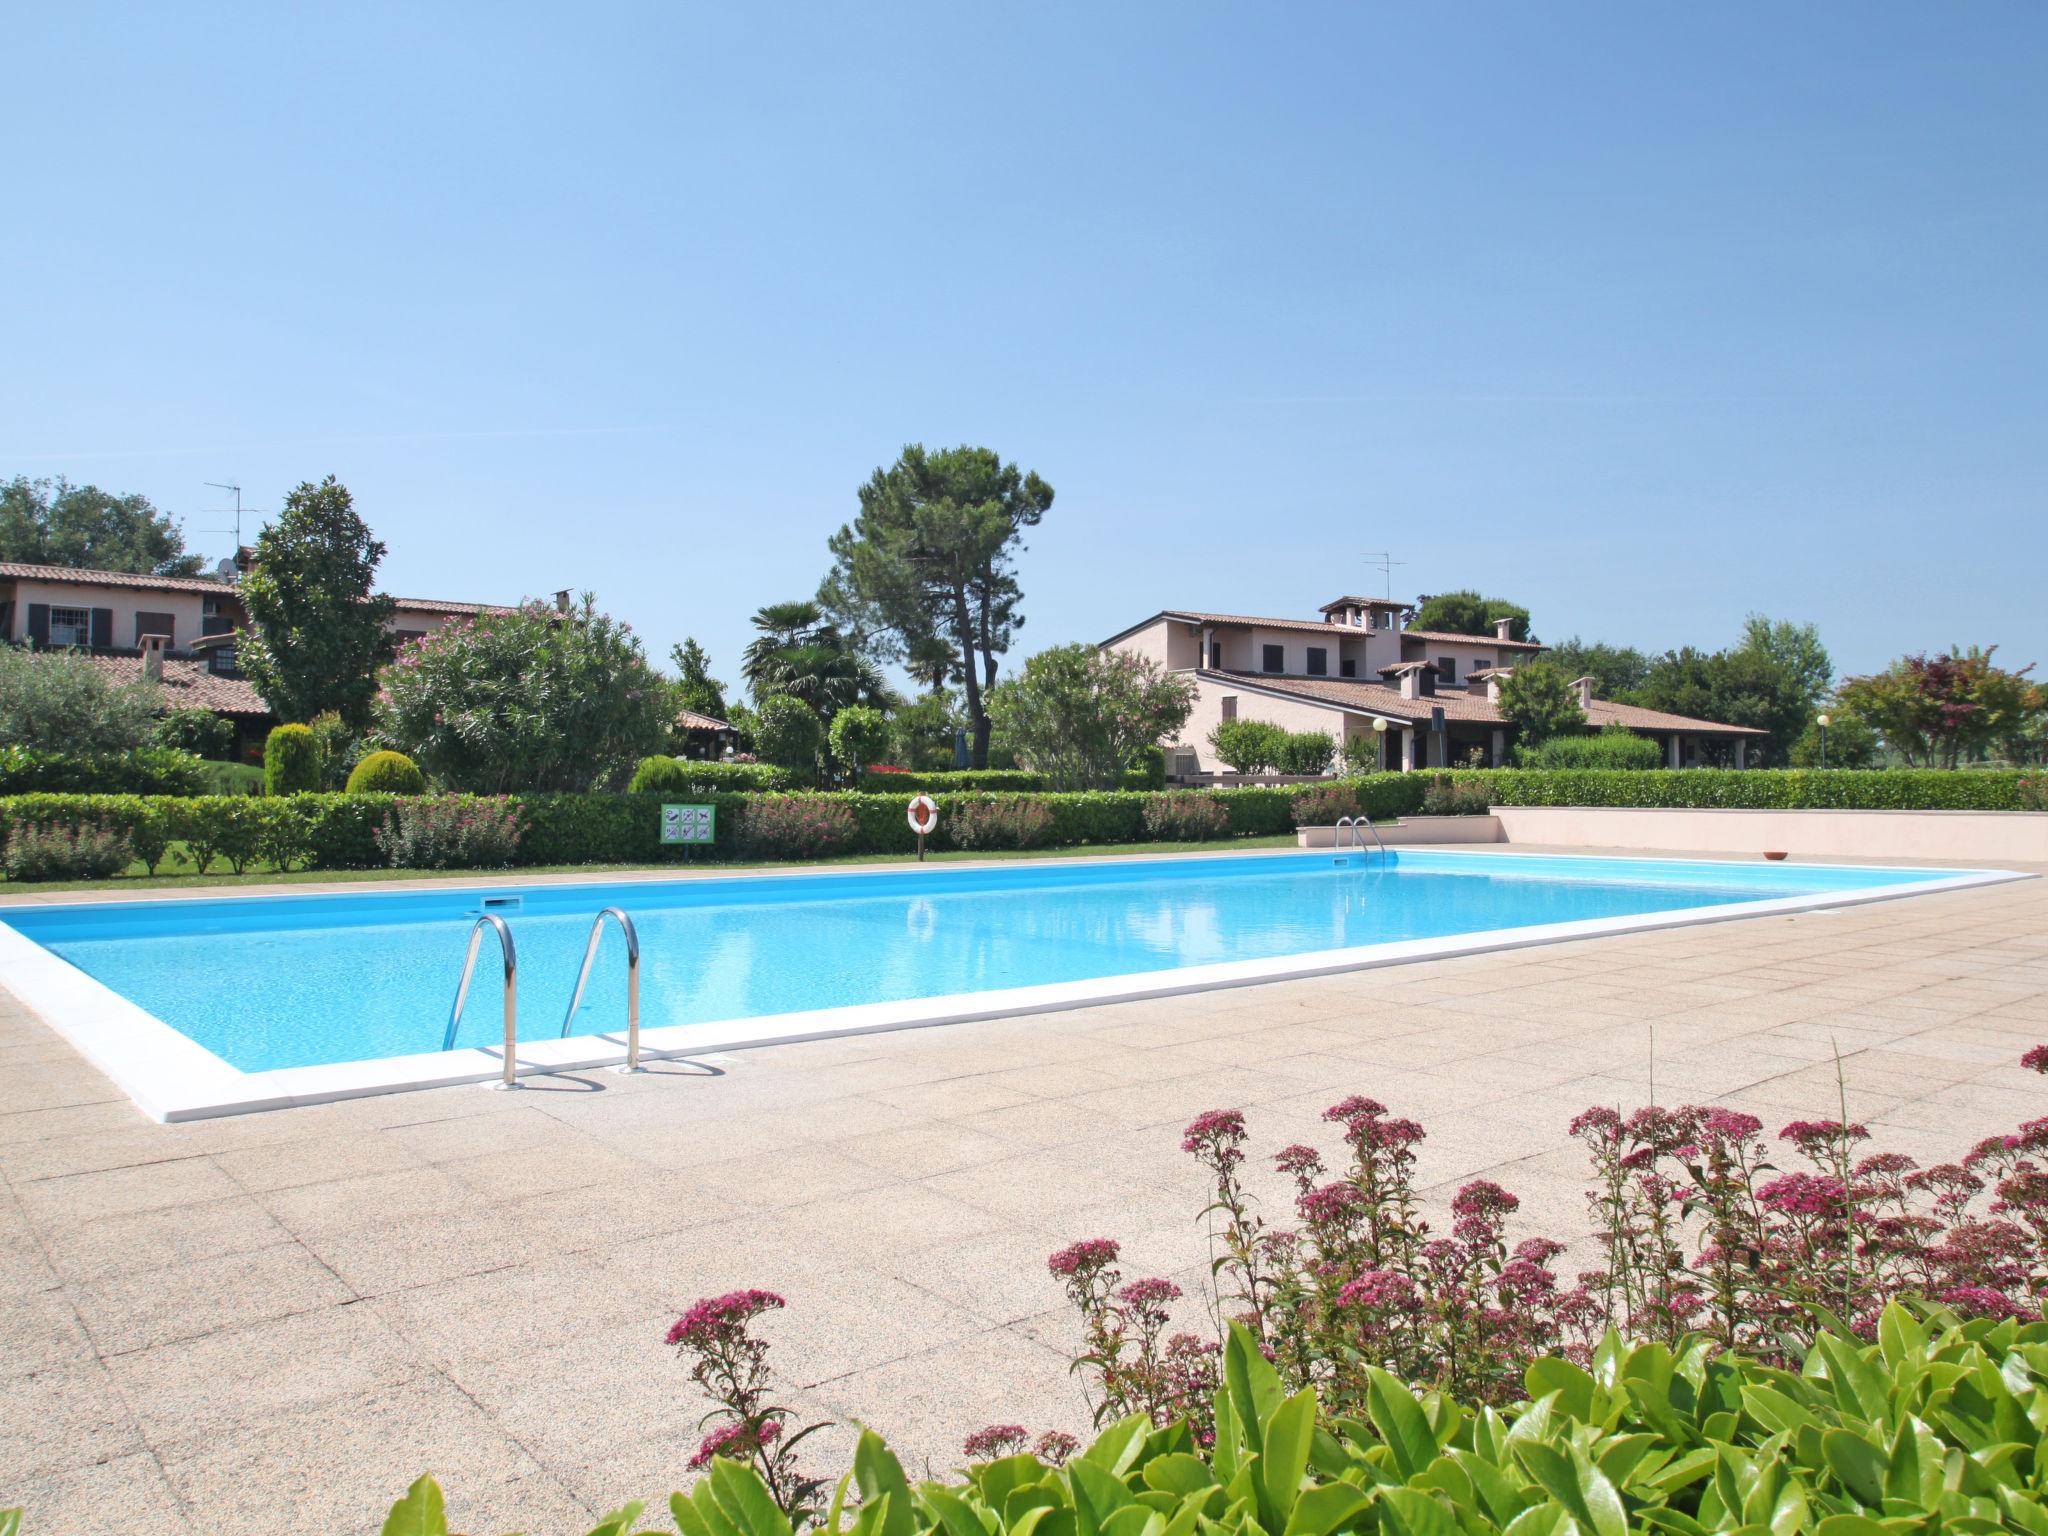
(1822, 722)
(1379, 731)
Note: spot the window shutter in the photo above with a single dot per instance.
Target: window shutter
(102, 629)
(39, 623)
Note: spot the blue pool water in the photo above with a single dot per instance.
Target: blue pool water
(275, 982)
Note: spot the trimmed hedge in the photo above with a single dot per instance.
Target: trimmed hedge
(148, 771)
(339, 831)
(875, 781)
(386, 773)
(682, 775)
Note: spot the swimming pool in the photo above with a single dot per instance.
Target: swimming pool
(286, 998)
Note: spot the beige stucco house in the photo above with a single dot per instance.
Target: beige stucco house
(177, 630)
(1360, 663)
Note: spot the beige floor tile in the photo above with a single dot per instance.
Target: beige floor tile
(144, 1308)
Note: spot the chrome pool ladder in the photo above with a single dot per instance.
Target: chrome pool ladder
(1353, 823)
(511, 955)
(632, 939)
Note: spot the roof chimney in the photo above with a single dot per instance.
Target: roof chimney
(1493, 683)
(153, 657)
(562, 601)
(1585, 687)
(1504, 629)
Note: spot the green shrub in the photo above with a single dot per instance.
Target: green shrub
(1321, 805)
(1302, 753)
(789, 734)
(1247, 746)
(859, 736)
(1613, 747)
(1188, 817)
(198, 731)
(146, 771)
(997, 781)
(291, 761)
(284, 833)
(1147, 770)
(64, 853)
(1003, 821)
(340, 749)
(63, 701)
(1448, 796)
(387, 773)
(683, 775)
(797, 826)
(452, 832)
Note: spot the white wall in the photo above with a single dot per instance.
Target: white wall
(1288, 714)
(185, 608)
(1961, 837)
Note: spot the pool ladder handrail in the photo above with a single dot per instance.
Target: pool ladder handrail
(511, 955)
(1354, 823)
(632, 938)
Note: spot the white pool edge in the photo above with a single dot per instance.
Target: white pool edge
(171, 1077)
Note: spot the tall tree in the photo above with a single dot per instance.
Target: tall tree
(932, 558)
(317, 631)
(1467, 613)
(1794, 647)
(1537, 698)
(1080, 715)
(696, 688)
(1942, 711)
(53, 522)
(1614, 668)
(1743, 686)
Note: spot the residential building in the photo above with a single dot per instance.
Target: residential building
(178, 630)
(1360, 663)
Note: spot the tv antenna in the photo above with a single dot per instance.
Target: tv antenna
(223, 485)
(1384, 563)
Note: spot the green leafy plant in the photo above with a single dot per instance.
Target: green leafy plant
(1079, 715)
(1613, 747)
(452, 832)
(61, 702)
(386, 773)
(1540, 702)
(146, 771)
(531, 699)
(1248, 746)
(796, 826)
(789, 734)
(685, 775)
(1301, 753)
(1449, 796)
(198, 731)
(859, 736)
(292, 761)
(1322, 804)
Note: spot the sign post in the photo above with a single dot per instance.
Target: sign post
(924, 816)
(690, 825)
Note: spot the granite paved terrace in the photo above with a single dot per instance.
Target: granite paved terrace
(272, 1323)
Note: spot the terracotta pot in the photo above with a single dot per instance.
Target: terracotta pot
(1778, 855)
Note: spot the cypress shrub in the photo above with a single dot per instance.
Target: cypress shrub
(292, 761)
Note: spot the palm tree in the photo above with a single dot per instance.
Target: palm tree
(800, 653)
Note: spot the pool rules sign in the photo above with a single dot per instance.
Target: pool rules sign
(689, 824)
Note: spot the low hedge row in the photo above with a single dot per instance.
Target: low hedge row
(339, 831)
(148, 771)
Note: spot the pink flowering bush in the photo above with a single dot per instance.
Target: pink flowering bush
(1701, 1231)
(451, 832)
(731, 1365)
(796, 826)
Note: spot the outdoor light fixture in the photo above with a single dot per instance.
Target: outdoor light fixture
(1822, 722)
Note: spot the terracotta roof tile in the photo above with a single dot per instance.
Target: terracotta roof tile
(690, 720)
(16, 570)
(187, 684)
(1489, 640)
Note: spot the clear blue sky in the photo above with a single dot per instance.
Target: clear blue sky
(1645, 316)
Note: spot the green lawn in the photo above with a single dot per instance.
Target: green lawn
(137, 882)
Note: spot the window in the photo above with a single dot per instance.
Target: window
(1447, 669)
(1230, 706)
(1276, 658)
(221, 661)
(1382, 618)
(1216, 655)
(70, 626)
(1318, 661)
(1481, 663)
(1348, 666)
